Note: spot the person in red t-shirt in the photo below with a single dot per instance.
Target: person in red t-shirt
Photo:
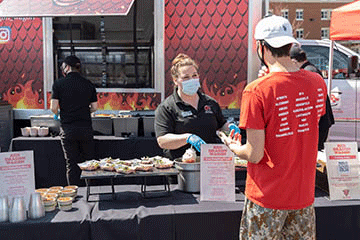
(280, 112)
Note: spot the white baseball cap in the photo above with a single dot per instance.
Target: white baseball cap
(275, 30)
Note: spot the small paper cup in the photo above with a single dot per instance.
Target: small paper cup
(72, 187)
(42, 190)
(49, 204)
(68, 193)
(58, 192)
(65, 203)
(56, 188)
(52, 195)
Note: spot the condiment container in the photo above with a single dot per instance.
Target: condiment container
(56, 188)
(65, 203)
(42, 190)
(49, 204)
(36, 206)
(17, 210)
(58, 192)
(68, 193)
(43, 131)
(4, 209)
(72, 187)
(52, 195)
(34, 131)
(25, 131)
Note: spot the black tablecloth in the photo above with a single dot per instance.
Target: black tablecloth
(179, 216)
(49, 159)
(74, 224)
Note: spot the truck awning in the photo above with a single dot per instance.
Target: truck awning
(51, 8)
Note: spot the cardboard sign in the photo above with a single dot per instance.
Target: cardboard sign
(17, 174)
(217, 173)
(342, 164)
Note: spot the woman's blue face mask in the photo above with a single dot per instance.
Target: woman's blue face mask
(190, 87)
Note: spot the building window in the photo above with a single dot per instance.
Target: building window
(285, 13)
(325, 14)
(325, 33)
(299, 14)
(299, 33)
(110, 56)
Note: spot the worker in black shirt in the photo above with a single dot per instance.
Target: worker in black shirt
(76, 98)
(298, 55)
(188, 116)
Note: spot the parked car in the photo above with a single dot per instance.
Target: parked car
(345, 87)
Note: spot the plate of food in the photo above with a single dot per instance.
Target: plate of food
(107, 166)
(144, 167)
(163, 163)
(90, 165)
(124, 169)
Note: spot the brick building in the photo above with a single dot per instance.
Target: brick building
(310, 18)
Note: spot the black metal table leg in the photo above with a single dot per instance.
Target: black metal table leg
(87, 181)
(112, 188)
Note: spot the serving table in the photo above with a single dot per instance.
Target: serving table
(179, 216)
(49, 162)
(143, 176)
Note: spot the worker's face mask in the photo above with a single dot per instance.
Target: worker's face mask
(190, 87)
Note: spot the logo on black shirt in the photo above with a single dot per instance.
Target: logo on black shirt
(207, 109)
(186, 114)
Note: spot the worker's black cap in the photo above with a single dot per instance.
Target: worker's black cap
(72, 61)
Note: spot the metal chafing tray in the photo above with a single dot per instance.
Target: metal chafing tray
(46, 121)
(102, 125)
(101, 174)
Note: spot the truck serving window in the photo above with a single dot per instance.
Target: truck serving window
(115, 51)
(319, 56)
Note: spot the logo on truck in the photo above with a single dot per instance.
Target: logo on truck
(335, 98)
(5, 34)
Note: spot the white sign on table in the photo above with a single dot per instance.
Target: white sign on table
(17, 174)
(342, 164)
(217, 173)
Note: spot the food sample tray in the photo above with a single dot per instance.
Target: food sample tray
(101, 174)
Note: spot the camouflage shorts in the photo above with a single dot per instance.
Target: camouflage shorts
(264, 223)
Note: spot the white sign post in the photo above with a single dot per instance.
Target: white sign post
(217, 173)
(342, 164)
(17, 174)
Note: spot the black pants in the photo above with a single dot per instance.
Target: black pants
(78, 146)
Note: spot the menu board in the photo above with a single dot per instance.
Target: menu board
(217, 173)
(17, 174)
(46, 8)
(342, 164)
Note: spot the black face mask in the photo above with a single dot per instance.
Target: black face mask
(262, 53)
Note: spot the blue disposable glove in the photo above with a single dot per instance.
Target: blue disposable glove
(233, 126)
(56, 116)
(195, 141)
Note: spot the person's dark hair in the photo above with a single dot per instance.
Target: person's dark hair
(73, 62)
(278, 52)
(298, 53)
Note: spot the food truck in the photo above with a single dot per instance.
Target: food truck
(126, 48)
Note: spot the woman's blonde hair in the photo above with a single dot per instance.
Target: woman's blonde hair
(179, 61)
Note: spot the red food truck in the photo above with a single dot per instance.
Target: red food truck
(126, 48)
